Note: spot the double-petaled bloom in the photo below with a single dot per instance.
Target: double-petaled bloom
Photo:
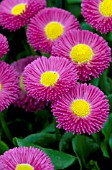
(84, 109)
(9, 85)
(24, 158)
(98, 13)
(48, 79)
(89, 52)
(48, 26)
(16, 13)
(24, 101)
(4, 47)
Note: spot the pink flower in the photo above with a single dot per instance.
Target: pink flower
(98, 13)
(26, 102)
(48, 25)
(4, 47)
(84, 109)
(89, 52)
(48, 79)
(25, 158)
(9, 88)
(16, 13)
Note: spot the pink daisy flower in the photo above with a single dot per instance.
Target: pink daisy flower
(4, 47)
(48, 25)
(89, 52)
(16, 13)
(98, 13)
(48, 79)
(25, 158)
(26, 102)
(84, 109)
(9, 81)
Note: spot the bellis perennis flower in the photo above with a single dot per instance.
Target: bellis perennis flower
(48, 26)
(48, 79)
(24, 158)
(89, 52)
(16, 13)
(84, 109)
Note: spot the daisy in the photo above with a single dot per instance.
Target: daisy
(98, 13)
(48, 79)
(24, 158)
(9, 88)
(48, 25)
(89, 52)
(16, 13)
(24, 101)
(84, 109)
(4, 47)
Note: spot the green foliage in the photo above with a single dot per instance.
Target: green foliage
(64, 142)
(3, 147)
(83, 147)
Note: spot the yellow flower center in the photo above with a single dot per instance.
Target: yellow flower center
(49, 78)
(24, 167)
(54, 30)
(21, 83)
(80, 107)
(81, 53)
(105, 8)
(0, 86)
(18, 9)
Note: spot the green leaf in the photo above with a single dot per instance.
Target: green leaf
(107, 130)
(96, 137)
(50, 128)
(58, 3)
(93, 165)
(109, 37)
(86, 26)
(103, 83)
(104, 148)
(64, 142)
(74, 1)
(109, 97)
(110, 83)
(110, 142)
(42, 139)
(60, 160)
(3, 147)
(74, 9)
(83, 146)
(95, 82)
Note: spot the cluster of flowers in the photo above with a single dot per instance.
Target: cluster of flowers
(76, 56)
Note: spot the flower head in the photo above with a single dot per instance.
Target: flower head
(3, 45)
(24, 158)
(83, 110)
(49, 78)
(16, 13)
(9, 88)
(26, 102)
(98, 13)
(89, 52)
(48, 25)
